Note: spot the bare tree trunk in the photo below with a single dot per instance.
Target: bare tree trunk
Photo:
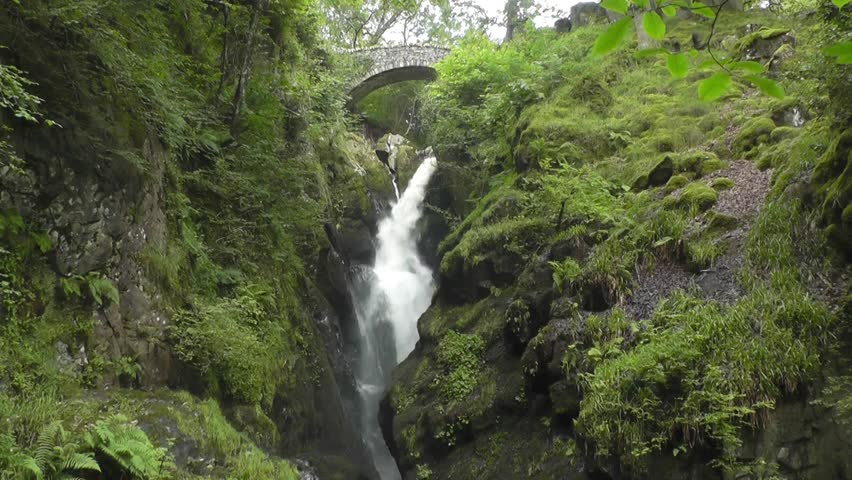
(644, 40)
(226, 13)
(511, 11)
(245, 68)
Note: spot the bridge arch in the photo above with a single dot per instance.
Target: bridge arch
(388, 65)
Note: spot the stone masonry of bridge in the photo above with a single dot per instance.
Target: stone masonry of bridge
(388, 65)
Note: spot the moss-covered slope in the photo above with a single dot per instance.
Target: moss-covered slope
(648, 285)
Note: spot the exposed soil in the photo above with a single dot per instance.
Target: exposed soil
(719, 282)
(751, 186)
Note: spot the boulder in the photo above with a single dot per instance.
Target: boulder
(563, 25)
(587, 13)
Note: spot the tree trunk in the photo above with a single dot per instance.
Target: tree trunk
(245, 68)
(223, 78)
(511, 11)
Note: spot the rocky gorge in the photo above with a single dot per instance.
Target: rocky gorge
(630, 280)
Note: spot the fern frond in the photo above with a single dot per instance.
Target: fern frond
(47, 440)
(81, 461)
(26, 464)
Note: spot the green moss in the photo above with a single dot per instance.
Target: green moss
(659, 174)
(675, 182)
(512, 236)
(784, 133)
(832, 182)
(754, 133)
(695, 162)
(698, 195)
(460, 358)
(711, 165)
(761, 34)
(722, 183)
(719, 222)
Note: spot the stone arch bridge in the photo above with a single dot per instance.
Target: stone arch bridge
(388, 65)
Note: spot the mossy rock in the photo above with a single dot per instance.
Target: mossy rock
(722, 183)
(719, 222)
(675, 182)
(711, 165)
(832, 184)
(784, 133)
(698, 194)
(754, 133)
(658, 175)
(694, 162)
(763, 43)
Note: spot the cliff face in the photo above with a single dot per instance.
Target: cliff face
(179, 248)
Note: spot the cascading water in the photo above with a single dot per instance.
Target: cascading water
(389, 298)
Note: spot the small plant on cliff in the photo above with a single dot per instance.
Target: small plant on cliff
(565, 272)
(459, 356)
(99, 288)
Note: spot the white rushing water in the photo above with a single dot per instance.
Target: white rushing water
(389, 298)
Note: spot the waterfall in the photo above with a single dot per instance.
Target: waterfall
(389, 298)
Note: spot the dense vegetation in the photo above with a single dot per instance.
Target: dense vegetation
(602, 171)
(174, 173)
(230, 118)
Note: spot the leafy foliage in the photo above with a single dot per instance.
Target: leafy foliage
(459, 355)
(122, 448)
(700, 347)
(53, 457)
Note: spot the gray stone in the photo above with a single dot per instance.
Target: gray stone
(383, 66)
(587, 13)
(563, 25)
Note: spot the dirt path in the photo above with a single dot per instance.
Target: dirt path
(744, 202)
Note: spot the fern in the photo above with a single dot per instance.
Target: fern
(100, 287)
(128, 449)
(54, 457)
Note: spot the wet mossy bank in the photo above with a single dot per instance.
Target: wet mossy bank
(635, 283)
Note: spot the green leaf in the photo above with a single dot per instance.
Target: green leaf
(714, 87)
(654, 25)
(750, 67)
(677, 64)
(703, 10)
(767, 86)
(613, 37)
(840, 3)
(844, 60)
(641, 3)
(618, 6)
(650, 52)
(839, 49)
(670, 10)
